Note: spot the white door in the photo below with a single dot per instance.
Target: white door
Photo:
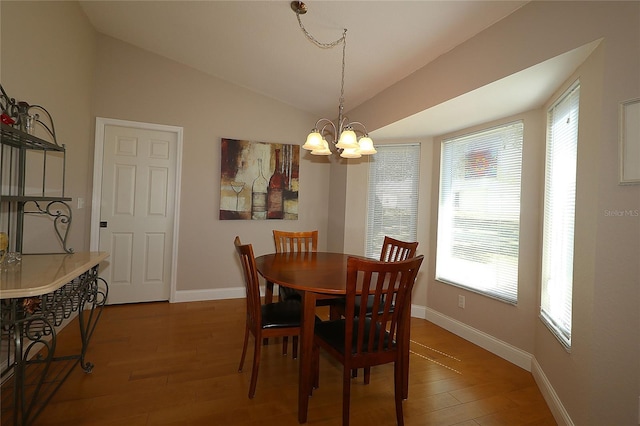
(137, 210)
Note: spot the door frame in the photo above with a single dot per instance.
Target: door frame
(96, 199)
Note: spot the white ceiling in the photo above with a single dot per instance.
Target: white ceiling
(259, 45)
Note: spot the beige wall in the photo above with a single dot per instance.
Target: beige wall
(49, 64)
(136, 85)
(598, 382)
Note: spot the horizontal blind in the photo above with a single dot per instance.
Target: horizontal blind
(392, 201)
(479, 211)
(559, 215)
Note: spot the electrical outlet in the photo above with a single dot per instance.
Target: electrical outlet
(80, 203)
(460, 301)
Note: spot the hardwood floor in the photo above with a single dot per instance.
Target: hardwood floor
(161, 363)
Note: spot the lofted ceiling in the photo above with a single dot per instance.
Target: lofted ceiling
(259, 45)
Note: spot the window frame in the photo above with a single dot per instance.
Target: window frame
(449, 199)
(559, 324)
(373, 243)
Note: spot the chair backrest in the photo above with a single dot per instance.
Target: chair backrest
(287, 242)
(252, 282)
(389, 284)
(395, 250)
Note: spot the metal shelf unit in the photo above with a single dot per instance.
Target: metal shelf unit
(15, 142)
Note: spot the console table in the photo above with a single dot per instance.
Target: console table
(37, 296)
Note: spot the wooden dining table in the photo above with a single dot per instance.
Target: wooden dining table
(318, 276)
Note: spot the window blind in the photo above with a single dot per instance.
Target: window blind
(392, 201)
(559, 215)
(479, 211)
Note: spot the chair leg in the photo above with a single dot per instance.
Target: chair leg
(398, 381)
(285, 344)
(334, 313)
(244, 347)
(346, 395)
(315, 367)
(367, 375)
(257, 350)
(295, 347)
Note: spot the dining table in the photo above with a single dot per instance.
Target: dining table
(318, 276)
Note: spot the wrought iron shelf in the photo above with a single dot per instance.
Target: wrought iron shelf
(19, 123)
(19, 139)
(36, 198)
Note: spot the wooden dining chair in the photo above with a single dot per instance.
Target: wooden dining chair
(392, 251)
(292, 242)
(278, 319)
(361, 341)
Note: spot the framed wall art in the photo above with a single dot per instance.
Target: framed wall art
(629, 140)
(258, 180)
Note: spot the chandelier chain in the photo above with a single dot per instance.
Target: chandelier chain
(343, 134)
(330, 45)
(316, 41)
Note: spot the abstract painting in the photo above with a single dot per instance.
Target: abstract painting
(258, 180)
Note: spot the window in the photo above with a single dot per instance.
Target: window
(479, 211)
(392, 203)
(559, 215)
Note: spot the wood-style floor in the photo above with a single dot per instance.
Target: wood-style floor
(161, 364)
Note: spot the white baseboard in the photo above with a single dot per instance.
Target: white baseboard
(504, 350)
(550, 396)
(209, 294)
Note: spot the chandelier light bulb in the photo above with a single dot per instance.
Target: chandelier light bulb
(314, 141)
(366, 146)
(324, 150)
(348, 139)
(351, 153)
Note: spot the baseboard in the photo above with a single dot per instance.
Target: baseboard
(209, 294)
(550, 396)
(504, 350)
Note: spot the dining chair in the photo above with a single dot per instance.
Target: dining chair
(292, 242)
(393, 250)
(279, 319)
(361, 341)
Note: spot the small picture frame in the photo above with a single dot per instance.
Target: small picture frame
(629, 142)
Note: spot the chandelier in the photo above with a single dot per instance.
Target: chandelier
(349, 138)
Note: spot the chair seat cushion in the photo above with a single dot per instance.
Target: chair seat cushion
(342, 301)
(333, 332)
(282, 314)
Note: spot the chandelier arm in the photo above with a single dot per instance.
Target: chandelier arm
(357, 123)
(328, 124)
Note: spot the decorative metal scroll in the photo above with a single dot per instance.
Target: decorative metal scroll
(61, 221)
(23, 116)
